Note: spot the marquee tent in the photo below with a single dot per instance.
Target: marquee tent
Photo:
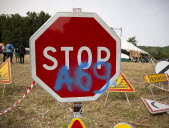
(124, 58)
(130, 47)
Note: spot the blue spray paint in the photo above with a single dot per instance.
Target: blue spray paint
(80, 74)
(63, 77)
(103, 77)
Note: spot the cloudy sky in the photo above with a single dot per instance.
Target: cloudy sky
(148, 20)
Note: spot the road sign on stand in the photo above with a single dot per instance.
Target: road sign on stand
(121, 85)
(75, 56)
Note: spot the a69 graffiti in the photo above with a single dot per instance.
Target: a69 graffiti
(64, 77)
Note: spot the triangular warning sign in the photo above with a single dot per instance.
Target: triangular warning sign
(155, 107)
(5, 72)
(76, 123)
(121, 85)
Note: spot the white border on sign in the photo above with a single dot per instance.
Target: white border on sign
(44, 27)
(155, 111)
(160, 66)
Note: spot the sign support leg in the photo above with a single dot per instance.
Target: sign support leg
(3, 91)
(106, 98)
(163, 98)
(77, 109)
(162, 85)
(127, 99)
(152, 92)
(64, 108)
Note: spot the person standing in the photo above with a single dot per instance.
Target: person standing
(17, 53)
(4, 52)
(22, 52)
(9, 51)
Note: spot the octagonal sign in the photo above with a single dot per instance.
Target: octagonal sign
(75, 56)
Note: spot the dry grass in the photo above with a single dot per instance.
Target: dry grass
(40, 110)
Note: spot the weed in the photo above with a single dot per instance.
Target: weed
(128, 114)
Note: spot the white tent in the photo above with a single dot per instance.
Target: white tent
(124, 56)
(129, 46)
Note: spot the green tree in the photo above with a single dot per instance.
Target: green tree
(157, 52)
(2, 25)
(132, 40)
(19, 29)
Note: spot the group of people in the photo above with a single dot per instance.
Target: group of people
(143, 59)
(9, 50)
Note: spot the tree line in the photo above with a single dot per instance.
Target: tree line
(158, 53)
(18, 29)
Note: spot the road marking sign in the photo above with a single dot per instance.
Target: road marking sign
(5, 72)
(155, 107)
(76, 123)
(162, 67)
(155, 78)
(121, 85)
(122, 125)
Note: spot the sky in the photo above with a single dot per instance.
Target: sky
(147, 20)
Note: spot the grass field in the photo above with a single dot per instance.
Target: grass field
(40, 110)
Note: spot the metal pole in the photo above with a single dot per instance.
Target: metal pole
(3, 91)
(77, 109)
(128, 99)
(152, 92)
(120, 31)
(106, 98)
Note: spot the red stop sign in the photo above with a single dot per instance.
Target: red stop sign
(75, 56)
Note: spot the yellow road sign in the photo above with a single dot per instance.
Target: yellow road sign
(155, 78)
(121, 85)
(5, 72)
(122, 125)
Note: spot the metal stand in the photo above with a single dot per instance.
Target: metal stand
(152, 92)
(77, 109)
(127, 99)
(108, 96)
(3, 91)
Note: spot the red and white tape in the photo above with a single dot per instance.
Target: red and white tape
(160, 87)
(167, 79)
(150, 84)
(133, 80)
(27, 92)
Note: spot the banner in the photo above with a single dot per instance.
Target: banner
(135, 54)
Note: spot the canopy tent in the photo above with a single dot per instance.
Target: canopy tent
(130, 47)
(124, 58)
(133, 52)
